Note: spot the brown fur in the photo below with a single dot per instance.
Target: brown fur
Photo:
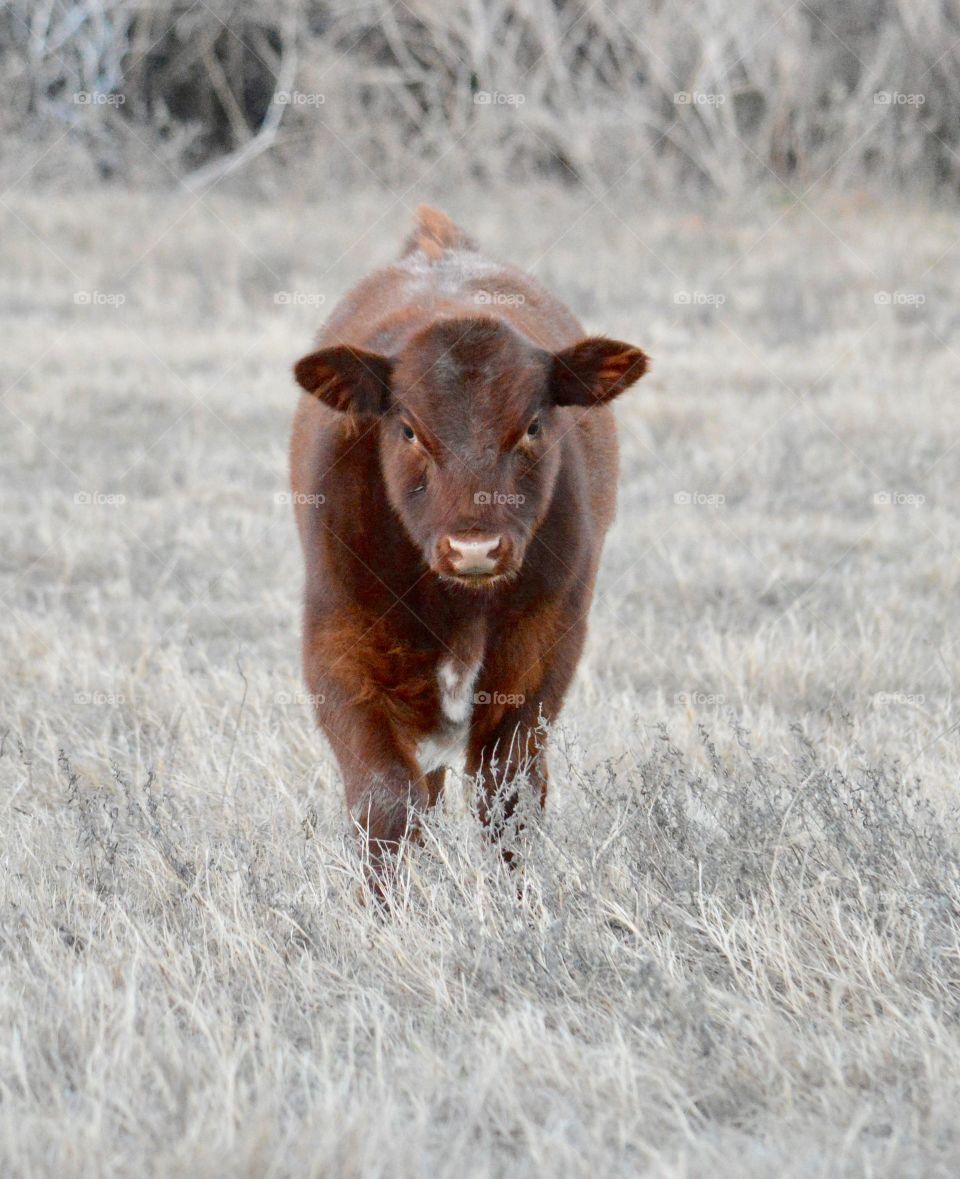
(452, 403)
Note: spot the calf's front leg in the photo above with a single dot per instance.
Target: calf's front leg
(508, 728)
(385, 788)
(500, 757)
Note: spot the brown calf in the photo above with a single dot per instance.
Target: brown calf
(454, 469)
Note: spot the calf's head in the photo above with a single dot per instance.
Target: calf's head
(469, 432)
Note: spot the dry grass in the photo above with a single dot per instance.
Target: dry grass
(736, 952)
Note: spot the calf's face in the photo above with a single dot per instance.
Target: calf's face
(469, 432)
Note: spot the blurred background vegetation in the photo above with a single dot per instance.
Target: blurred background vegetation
(706, 95)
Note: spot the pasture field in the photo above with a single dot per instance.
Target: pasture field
(736, 948)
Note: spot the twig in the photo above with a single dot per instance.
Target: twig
(212, 173)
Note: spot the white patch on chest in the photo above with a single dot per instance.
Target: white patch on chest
(456, 689)
(448, 744)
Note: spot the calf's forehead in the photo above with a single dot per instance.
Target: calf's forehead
(478, 381)
(454, 353)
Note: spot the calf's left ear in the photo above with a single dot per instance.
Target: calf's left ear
(595, 371)
(348, 379)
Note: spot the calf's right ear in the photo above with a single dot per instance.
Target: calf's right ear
(347, 379)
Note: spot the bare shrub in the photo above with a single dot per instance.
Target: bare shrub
(696, 92)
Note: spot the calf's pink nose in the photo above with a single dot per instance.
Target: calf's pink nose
(473, 555)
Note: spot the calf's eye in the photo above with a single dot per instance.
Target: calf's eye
(534, 428)
(408, 433)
